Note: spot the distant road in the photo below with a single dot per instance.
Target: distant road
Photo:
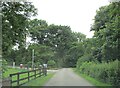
(66, 77)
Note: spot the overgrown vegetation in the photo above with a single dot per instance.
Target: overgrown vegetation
(105, 72)
(3, 67)
(92, 80)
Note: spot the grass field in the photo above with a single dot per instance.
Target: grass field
(93, 81)
(16, 70)
(11, 71)
(39, 81)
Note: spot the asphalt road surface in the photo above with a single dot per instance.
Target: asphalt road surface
(66, 77)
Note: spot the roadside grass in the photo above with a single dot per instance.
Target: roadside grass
(39, 81)
(11, 71)
(93, 81)
(16, 70)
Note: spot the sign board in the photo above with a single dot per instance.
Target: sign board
(45, 65)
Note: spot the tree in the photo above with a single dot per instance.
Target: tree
(76, 51)
(57, 37)
(79, 36)
(42, 53)
(106, 27)
(37, 29)
(14, 24)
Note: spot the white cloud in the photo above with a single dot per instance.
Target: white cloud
(78, 14)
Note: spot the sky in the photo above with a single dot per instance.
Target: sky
(78, 14)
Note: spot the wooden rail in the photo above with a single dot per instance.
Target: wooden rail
(36, 73)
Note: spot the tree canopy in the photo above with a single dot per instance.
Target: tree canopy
(14, 24)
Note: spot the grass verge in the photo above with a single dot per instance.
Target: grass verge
(16, 70)
(33, 82)
(39, 81)
(11, 71)
(93, 81)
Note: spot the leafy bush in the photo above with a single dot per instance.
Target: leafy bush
(51, 63)
(105, 72)
(4, 65)
(82, 59)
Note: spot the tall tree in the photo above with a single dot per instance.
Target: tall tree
(107, 31)
(57, 37)
(37, 29)
(14, 24)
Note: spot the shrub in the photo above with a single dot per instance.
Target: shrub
(82, 59)
(105, 72)
(4, 65)
(51, 63)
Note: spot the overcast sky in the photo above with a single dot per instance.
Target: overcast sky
(78, 14)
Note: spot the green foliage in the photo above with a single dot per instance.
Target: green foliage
(42, 53)
(4, 65)
(51, 64)
(106, 31)
(37, 64)
(106, 72)
(92, 80)
(83, 59)
(29, 64)
(76, 50)
(14, 25)
(58, 38)
(79, 36)
(37, 29)
(19, 56)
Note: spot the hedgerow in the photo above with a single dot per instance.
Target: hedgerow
(105, 72)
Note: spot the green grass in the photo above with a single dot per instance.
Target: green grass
(11, 71)
(93, 81)
(16, 70)
(39, 81)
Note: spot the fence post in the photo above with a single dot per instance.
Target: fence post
(18, 79)
(45, 71)
(10, 79)
(28, 76)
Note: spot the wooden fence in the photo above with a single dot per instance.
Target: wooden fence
(35, 74)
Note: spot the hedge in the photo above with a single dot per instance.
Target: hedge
(105, 72)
